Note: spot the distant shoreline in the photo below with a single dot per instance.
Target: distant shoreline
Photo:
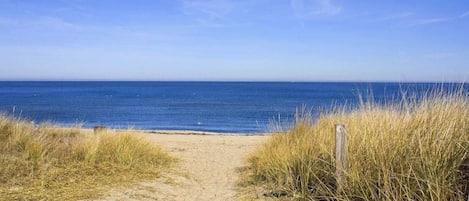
(238, 81)
(178, 132)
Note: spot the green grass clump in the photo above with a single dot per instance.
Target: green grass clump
(50, 163)
(417, 149)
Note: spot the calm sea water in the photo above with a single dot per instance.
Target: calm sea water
(235, 107)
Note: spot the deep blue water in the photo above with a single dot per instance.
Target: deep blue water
(237, 107)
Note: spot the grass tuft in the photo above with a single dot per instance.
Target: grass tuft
(50, 163)
(417, 149)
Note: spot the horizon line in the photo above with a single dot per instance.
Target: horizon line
(227, 81)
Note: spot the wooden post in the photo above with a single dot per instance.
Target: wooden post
(99, 129)
(340, 154)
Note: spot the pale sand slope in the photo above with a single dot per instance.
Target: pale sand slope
(208, 169)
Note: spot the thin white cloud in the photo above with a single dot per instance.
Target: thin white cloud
(439, 55)
(207, 23)
(392, 18)
(211, 8)
(42, 22)
(430, 21)
(464, 14)
(438, 20)
(306, 9)
(57, 23)
(215, 13)
(70, 7)
(396, 16)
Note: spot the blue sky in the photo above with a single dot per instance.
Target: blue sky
(258, 40)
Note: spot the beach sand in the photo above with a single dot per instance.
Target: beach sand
(208, 170)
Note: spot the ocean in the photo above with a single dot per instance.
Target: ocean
(226, 107)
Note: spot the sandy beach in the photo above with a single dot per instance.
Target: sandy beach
(207, 170)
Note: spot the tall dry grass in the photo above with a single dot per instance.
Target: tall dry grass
(51, 163)
(417, 149)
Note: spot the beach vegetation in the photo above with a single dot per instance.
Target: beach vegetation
(46, 162)
(414, 149)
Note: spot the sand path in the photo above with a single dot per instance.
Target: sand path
(208, 169)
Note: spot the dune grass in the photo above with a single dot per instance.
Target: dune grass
(416, 149)
(51, 163)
